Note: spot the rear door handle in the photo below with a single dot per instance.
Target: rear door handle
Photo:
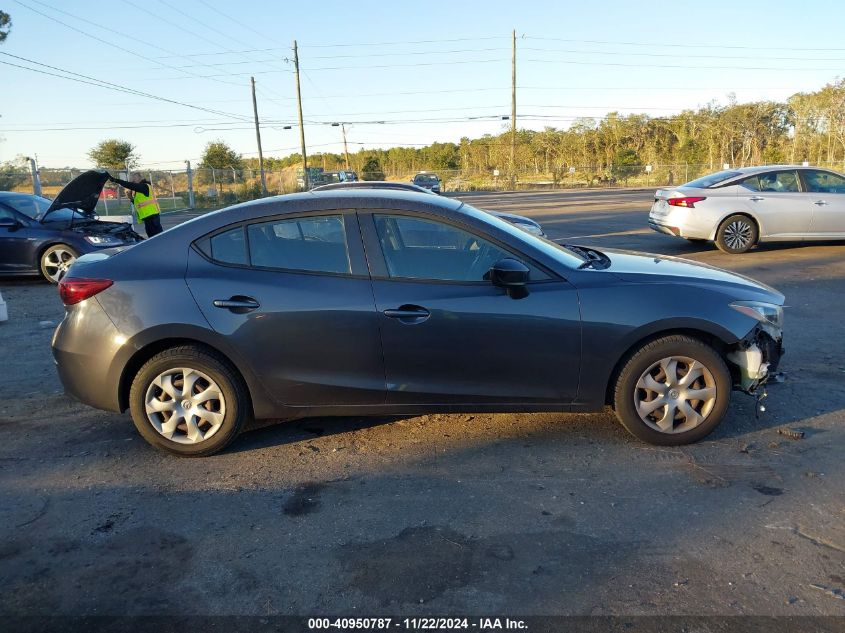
(820, 203)
(237, 304)
(408, 314)
(756, 198)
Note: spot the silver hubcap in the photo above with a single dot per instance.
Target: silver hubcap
(185, 405)
(57, 262)
(738, 235)
(675, 394)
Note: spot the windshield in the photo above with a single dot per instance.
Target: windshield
(30, 206)
(705, 182)
(425, 179)
(64, 215)
(560, 253)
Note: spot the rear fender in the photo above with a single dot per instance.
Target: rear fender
(141, 347)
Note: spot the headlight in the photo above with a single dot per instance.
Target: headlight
(103, 240)
(764, 312)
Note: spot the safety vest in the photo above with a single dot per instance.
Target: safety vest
(145, 206)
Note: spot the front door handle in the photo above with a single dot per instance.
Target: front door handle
(756, 198)
(409, 314)
(237, 304)
(821, 203)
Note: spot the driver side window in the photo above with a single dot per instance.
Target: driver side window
(416, 248)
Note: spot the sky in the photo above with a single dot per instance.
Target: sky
(395, 73)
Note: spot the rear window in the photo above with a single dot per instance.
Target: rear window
(773, 181)
(705, 182)
(314, 244)
(229, 247)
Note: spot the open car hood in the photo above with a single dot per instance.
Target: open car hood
(81, 193)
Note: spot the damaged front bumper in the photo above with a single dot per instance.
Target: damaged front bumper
(756, 357)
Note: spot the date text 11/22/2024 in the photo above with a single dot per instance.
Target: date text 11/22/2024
(416, 624)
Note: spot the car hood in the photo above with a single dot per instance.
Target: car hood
(81, 193)
(649, 268)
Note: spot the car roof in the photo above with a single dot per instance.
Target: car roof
(322, 200)
(372, 184)
(9, 194)
(764, 168)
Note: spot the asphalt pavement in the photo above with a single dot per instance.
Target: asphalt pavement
(505, 514)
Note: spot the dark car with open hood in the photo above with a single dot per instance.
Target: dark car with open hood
(44, 237)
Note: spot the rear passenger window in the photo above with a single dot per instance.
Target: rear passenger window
(228, 247)
(774, 182)
(314, 244)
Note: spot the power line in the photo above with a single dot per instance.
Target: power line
(683, 66)
(106, 42)
(214, 29)
(368, 67)
(262, 61)
(677, 55)
(235, 21)
(78, 77)
(457, 39)
(658, 44)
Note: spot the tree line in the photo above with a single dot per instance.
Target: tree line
(806, 127)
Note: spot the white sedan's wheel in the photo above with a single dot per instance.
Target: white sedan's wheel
(737, 234)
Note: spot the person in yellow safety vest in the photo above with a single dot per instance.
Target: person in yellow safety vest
(140, 192)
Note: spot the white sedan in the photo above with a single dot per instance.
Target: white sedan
(739, 208)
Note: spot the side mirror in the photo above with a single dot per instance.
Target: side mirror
(512, 275)
(9, 223)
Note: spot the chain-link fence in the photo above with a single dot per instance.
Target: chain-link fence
(215, 188)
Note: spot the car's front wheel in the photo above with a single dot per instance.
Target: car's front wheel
(55, 262)
(673, 390)
(737, 234)
(189, 401)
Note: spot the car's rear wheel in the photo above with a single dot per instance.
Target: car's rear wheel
(737, 234)
(55, 262)
(189, 401)
(673, 390)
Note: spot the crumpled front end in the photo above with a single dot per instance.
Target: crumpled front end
(756, 357)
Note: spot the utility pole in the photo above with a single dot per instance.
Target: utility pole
(36, 180)
(258, 138)
(190, 175)
(345, 148)
(513, 110)
(301, 126)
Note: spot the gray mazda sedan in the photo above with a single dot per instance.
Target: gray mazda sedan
(373, 302)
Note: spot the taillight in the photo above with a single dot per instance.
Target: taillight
(75, 290)
(689, 203)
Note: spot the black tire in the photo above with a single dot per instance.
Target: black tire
(235, 399)
(737, 234)
(47, 262)
(626, 390)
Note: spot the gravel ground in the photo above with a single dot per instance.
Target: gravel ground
(442, 514)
